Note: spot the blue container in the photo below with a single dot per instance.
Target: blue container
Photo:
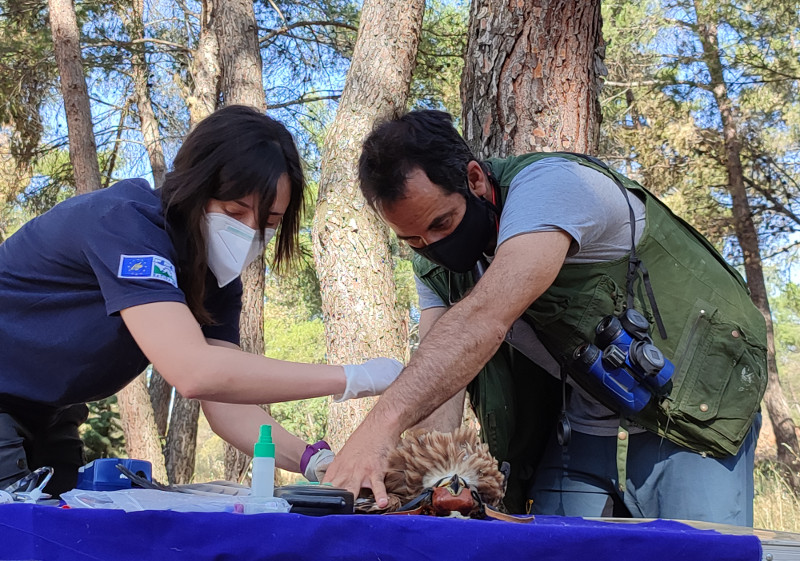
(103, 475)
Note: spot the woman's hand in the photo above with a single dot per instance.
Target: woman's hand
(370, 378)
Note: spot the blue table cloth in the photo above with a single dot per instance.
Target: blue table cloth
(44, 532)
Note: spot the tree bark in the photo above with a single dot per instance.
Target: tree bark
(149, 426)
(779, 413)
(181, 447)
(112, 161)
(82, 147)
(144, 105)
(531, 78)
(160, 397)
(242, 83)
(205, 68)
(181, 444)
(135, 414)
(351, 248)
(239, 54)
(142, 440)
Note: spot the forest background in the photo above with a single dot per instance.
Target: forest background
(690, 90)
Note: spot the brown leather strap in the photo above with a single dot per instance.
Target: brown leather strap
(418, 510)
(491, 513)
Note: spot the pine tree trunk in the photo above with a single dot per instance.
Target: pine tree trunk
(181, 444)
(240, 63)
(201, 101)
(144, 105)
(82, 147)
(135, 414)
(205, 68)
(779, 412)
(142, 440)
(140, 445)
(181, 447)
(160, 397)
(351, 248)
(239, 54)
(531, 78)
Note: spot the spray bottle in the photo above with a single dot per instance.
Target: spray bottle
(263, 480)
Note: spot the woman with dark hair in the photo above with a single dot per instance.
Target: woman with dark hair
(105, 283)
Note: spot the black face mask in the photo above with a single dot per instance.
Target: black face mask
(460, 250)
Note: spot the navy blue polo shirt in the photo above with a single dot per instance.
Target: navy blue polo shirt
(65, 276)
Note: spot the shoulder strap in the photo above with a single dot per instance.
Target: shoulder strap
(634, 263)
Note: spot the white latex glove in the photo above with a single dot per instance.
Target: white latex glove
(369, 378)
(318, 465)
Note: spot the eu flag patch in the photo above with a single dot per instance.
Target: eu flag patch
(147, 267)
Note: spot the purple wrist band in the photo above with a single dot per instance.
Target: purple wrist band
(310, 450)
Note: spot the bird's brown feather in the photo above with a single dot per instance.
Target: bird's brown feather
(422, 458)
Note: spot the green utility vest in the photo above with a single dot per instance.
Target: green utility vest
(716, 338)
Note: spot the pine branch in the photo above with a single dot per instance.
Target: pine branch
(128, 44)
(302, 99)
(777, 206)
(286, 28)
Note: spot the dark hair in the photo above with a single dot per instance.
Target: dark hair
(419, 139)
(230, 154)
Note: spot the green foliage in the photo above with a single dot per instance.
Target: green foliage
(440, 59)
(289, 336)
(27, 72)
(786, 314)
(294, 340)
(775, 506)
(293, 331)
(307, 418)
(102, 433)
(404, 280)
(662, 124)
(53, 181)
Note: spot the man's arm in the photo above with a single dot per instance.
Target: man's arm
(463, 340)
(447, 417)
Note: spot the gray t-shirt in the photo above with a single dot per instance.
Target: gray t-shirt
(556, 194)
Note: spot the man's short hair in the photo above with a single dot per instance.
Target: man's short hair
(419, 139)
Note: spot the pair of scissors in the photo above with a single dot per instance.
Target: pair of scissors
(29, 488)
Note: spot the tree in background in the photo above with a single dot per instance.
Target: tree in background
(530, 83)
(102, 434)
(242, 83)
(294, 332)
(138, 417)
(659, 122)
(134, 404)
(531, 78)
(786, 309)
(709, 21)
(440, 56)
(703, 107)
(28, 69)
(67, 47)
(180, 450)
(351, 244)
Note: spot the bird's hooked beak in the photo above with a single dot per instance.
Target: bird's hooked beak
(454, 485)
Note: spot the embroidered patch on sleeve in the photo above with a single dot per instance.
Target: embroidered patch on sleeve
(147, 267)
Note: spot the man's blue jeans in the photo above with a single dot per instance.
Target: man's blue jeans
(664, 480)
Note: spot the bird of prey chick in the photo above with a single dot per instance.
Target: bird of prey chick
(443, 473)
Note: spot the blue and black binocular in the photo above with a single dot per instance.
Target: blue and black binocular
(626, 361)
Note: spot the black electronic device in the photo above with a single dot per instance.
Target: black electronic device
(316, 500)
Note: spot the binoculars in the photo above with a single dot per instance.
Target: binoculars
(625, 361)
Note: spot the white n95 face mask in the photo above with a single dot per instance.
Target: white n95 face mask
(232, 246)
